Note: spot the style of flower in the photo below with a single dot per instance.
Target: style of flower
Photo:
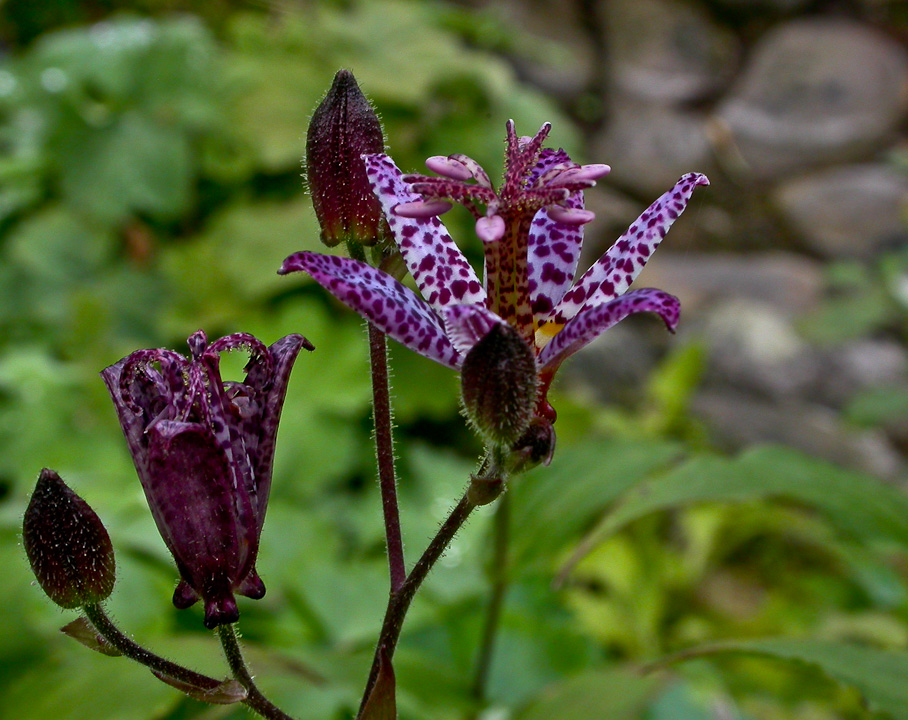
(531, 229)
(203, 449)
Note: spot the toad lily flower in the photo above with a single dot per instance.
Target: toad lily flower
(203, 450)
(531, 229)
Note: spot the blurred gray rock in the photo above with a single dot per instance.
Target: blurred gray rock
(789, 284)
(614, 366)
(848, 212)
(560, 58)
(814, 90)
(667, 51)
(850, 369)
(753, 347)
(650, 146)
(757, 5)
(736, 421)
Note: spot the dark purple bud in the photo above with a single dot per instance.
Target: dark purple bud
(536, 446)
(203, 449)
(66, 543)
(343, 128)
(499, 386)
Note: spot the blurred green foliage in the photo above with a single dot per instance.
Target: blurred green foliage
(150, 185)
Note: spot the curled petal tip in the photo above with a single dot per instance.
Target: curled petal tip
(294, 263)
(421, 209)
(448, 167)
(197, 342)
(570, 216)
(490, 229)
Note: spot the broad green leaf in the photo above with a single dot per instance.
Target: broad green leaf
(880, 675)
(611, 693)
(134, 166)
(581, 482)
(87, 686)
(858, 504)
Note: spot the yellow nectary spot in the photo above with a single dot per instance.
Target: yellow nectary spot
(546, 332)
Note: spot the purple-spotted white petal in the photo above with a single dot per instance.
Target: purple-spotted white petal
(442, 273)
(591, 322)
(392, 307)
(614, 272)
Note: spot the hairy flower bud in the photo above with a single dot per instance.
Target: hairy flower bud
(536, 446)
(344, 127)
(499, 386)
(66, 543)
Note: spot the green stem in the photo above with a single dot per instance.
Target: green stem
(254, 698)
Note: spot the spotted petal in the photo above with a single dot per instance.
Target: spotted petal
(614, 272)
(442, 273)
(590, 322)
(553, 253)
(393, 308)
(468, 324)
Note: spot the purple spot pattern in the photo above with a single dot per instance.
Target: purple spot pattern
(528, 273)
(468, 324)
(553, 254)
(203, 450)
(590, 322)
(442, 273)
(614, 272)
(392, 307)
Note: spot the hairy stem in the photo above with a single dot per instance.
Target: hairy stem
(254, 698)
(384, 451)
(499, 581)
(112, 634)
(399, 602)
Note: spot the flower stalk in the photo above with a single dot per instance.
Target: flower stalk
(484, 485)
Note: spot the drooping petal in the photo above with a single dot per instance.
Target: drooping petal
(393, 308)
(590, 322)
(613, 273)
(553, 253)
(442, 273)
(193, 503)
(261, 430)
(468, 324)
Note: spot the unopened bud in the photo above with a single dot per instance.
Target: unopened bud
(67, 545)
(343, 128)
(536, 446)
(498, 385)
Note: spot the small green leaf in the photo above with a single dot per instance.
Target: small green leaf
(82, 631)
(382, 704)
(226, 693)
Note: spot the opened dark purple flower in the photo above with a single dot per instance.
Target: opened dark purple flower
(203, 449)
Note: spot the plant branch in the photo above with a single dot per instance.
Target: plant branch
(254, 698)
(483, 488)
(499, 582)
(112, 634)
(384, 452)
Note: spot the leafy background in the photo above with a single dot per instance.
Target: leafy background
(150, 185)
